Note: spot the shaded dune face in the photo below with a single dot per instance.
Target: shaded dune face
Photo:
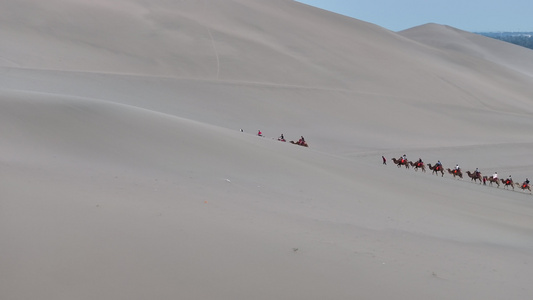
(130, 166)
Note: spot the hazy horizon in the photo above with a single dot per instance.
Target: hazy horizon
(472, 16)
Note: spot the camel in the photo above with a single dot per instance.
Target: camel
(491, 180)
(400, 163)
(303, 144)
(418, 165)
(474, 176)
(436, 169)
(524, 186)
(507, 182)
(455, 173)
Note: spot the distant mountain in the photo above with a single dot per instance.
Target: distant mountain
(523, 39)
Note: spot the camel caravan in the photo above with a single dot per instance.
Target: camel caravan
(474, 176)
(281, 138)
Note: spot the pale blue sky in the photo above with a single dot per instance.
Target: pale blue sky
(469, 15)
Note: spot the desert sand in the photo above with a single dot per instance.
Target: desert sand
(124, 173)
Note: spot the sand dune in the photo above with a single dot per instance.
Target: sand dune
(124, 173)
(450, 39)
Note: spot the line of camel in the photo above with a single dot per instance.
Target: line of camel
(281, 138)
(474, 176)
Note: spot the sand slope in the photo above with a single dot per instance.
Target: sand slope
(449, 39)
(124, 174)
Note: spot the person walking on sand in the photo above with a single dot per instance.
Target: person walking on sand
(384, 160)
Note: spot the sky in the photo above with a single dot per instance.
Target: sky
(468, 15)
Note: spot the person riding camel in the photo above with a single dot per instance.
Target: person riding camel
(457, 169)
(438, 165)
(525, 185)
(476, 172)
(281, 138)
(404, 159)
(509, 180)
(259, 133)
(495, 176)
(301, 141)
(419, 163)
